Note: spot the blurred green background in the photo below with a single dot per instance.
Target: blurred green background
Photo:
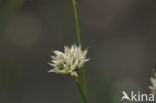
(119, 34)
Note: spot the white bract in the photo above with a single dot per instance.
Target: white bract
(153, 87)
(68, 62)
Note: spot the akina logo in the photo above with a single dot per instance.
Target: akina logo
(137, 97)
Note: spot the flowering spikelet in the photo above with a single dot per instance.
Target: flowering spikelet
(153, 87)
(68, 62)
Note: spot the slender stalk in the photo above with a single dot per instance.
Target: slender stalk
(81, 90)
(154, 73)
(79, 43)
(76, 22)
(83, 80)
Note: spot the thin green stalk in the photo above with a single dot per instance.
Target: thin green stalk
(154, 73)
(79, 43)
(76, 22)
(83, 80)
(81, 90)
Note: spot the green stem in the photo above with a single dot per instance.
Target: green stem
(81, 90)
(154, 73)
(76, 22)
(79, 43)
(83, 80)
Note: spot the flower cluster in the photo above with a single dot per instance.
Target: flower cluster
(68, 62)
(153, 87)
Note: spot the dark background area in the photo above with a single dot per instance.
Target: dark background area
(119, 34)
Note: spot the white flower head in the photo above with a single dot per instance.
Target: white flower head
(153, 87)
(68, 62)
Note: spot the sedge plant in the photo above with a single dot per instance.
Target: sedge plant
(72, 59)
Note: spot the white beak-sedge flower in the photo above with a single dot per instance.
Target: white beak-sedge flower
(68, 62)
(153, 87)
